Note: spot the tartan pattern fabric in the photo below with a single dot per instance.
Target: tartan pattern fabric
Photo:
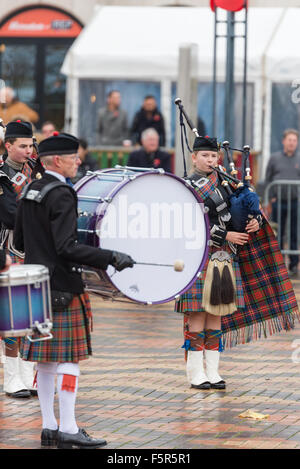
(270, 304)
(71, 340)
(212, 183)
(268, 292)
(193, 340)
(191, 300)
(213, 339)
(27, 172)
(15, 259)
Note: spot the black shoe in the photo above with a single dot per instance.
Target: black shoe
(23, 393)
(33, 392)
(205, 385)
(78, 440)
(49, 437)
(219, 385)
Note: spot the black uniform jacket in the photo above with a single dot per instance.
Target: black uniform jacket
(47, 232)
(8, 202)
(157, 159)
(217, 233)
(2, 259)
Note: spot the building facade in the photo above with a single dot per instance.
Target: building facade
(35, 36)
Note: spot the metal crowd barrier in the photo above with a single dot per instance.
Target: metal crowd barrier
(282, 191)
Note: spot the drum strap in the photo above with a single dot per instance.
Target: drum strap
(38, 196)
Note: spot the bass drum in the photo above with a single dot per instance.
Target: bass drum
(156, 218)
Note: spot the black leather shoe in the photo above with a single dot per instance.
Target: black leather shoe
(219, 385)
(23, 393)
(205, 385)
(49, 437)
(78, 440)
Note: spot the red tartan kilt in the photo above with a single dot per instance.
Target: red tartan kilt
(71, 340)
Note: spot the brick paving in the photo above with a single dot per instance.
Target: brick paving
(133, 390)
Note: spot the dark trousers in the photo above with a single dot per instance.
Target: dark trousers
(293, 241)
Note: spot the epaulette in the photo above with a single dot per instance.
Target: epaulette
(38, 196)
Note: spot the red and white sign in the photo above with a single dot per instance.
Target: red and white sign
(40, 22)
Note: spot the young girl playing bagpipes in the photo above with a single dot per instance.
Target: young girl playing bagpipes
(244, 292)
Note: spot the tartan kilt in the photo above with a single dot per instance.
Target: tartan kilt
(16, 259)
(71, 340)
(270, 304)
(191, 300)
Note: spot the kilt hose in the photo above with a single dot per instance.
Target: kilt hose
(269, 304)
(71, 340)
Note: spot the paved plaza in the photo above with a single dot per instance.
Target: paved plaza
(133, 390)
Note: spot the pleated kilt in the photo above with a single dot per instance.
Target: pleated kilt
(270, 304)
(71, 332)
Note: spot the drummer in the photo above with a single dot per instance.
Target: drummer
(50, 239)
(17, 167)
(244, 285)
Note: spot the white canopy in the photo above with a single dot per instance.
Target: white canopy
(142, 43)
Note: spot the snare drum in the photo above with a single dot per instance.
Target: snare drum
(156, 218)
(25, 302)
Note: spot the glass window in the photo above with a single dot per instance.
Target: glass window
(18, 71)
(55, 84)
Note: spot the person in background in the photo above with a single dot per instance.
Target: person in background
(88, 163)
(11, 108)
(112, 121)
(47, 129)
(285, 164)
(149, 155)
(148, 117)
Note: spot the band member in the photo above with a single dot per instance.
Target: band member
(8, 207)
(244, 290)
(17, 166)
(50, 239)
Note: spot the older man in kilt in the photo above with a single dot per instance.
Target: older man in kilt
(17, 165)
(50, 239)
(244, 292)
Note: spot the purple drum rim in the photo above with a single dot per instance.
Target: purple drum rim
(206, 219)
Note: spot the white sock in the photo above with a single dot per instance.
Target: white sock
(67, 401)
(46, 390)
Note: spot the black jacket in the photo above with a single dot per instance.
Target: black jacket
(141, 122)
(47, 232)
(8, 202)
(2, 259)
(157, 159)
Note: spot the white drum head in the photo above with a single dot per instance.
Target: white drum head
(24, 274)
(156, 219)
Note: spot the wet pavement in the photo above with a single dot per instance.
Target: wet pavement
(133, 390)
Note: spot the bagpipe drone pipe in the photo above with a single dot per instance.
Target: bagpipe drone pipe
(244, 202)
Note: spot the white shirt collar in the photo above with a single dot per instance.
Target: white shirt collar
(57, 175)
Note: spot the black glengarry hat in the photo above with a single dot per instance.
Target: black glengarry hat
(205, 144)
(18, 129)
(58, 144)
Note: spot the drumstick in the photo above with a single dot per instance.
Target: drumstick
(178, 265)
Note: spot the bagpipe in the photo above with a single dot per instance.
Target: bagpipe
(244, 202)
